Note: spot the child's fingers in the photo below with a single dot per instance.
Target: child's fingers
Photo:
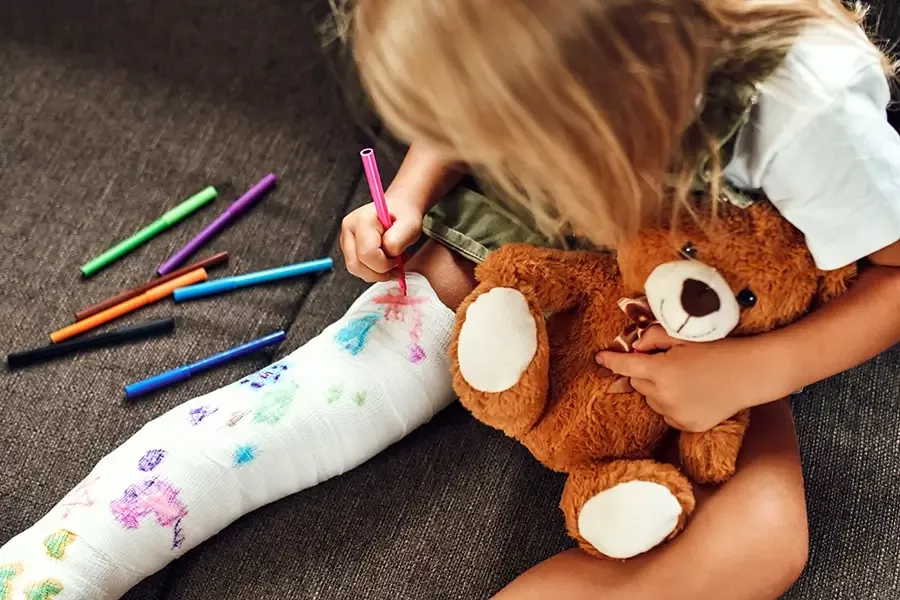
(656, 339)
(396, 242)
(645, 387)
(368, 248)
(630, 365)
(351, 258)
(405, 231)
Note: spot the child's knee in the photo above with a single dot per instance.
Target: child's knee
(781, 540)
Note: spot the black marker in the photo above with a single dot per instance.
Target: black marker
(112, 338)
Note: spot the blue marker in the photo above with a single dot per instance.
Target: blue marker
(226, 284)
(186, 372)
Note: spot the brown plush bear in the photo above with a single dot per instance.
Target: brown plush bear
(524, 352)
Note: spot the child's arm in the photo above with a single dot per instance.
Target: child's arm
(847, 331)
(696, 386)
(423, 179)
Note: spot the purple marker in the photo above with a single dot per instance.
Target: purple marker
(211, 230)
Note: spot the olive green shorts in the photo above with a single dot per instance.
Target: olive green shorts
(473, 224)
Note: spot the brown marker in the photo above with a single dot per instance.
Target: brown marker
(154, 294)
(213, 261)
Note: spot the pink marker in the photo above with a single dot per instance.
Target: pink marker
(381, 208)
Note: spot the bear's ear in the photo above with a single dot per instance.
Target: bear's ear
(834, 283)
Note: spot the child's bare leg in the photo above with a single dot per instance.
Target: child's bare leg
(747, 540)
(366, 381)
(451, 275)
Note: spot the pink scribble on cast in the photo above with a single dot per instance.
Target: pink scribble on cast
(79, 497)
(151, 498)
(395, 304)
(405, 309)
(416, 354)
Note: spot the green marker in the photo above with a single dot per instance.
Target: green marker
(150, 231)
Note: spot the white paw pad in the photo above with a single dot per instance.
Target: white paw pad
(497, 341)
(629, 518)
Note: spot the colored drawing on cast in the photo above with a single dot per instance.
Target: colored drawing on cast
(236, 417)
(275, 402)
(337, 392)
(45, 590)
(355, 334)
(398, 307)
(334, 394)
(151, 460)
(177, 534)
(7, 574)
(80, 496)
(265, 377)
(392, 306)
(56, 543)
(154, 497)
(244, 455)
(416, 351)
(196, 415)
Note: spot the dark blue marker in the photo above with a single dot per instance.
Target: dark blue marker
(186, 372)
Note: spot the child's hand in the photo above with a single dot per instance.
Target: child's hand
(370, 252)
(696, 386)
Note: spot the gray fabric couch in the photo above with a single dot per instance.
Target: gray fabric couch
(111, 111)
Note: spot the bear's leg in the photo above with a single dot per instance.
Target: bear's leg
(499, 356)
(710, 457)
(558, 279)
(623, 508)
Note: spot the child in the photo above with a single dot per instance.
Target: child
(587, 114)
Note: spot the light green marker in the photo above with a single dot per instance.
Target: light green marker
(150, 231)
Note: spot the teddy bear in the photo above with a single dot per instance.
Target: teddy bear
(524, 347)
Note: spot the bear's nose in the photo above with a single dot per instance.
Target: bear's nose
(698, 299)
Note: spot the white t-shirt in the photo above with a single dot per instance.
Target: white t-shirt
(819, 146)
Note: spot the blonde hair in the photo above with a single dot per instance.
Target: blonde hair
(576, 110)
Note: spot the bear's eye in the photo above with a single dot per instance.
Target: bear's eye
(746, 298)
(689, 251)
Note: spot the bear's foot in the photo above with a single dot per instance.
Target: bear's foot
(626, 507)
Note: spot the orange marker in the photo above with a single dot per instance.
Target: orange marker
(149, 297)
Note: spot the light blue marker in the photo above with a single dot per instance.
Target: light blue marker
(186, 372)
(226, 284)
